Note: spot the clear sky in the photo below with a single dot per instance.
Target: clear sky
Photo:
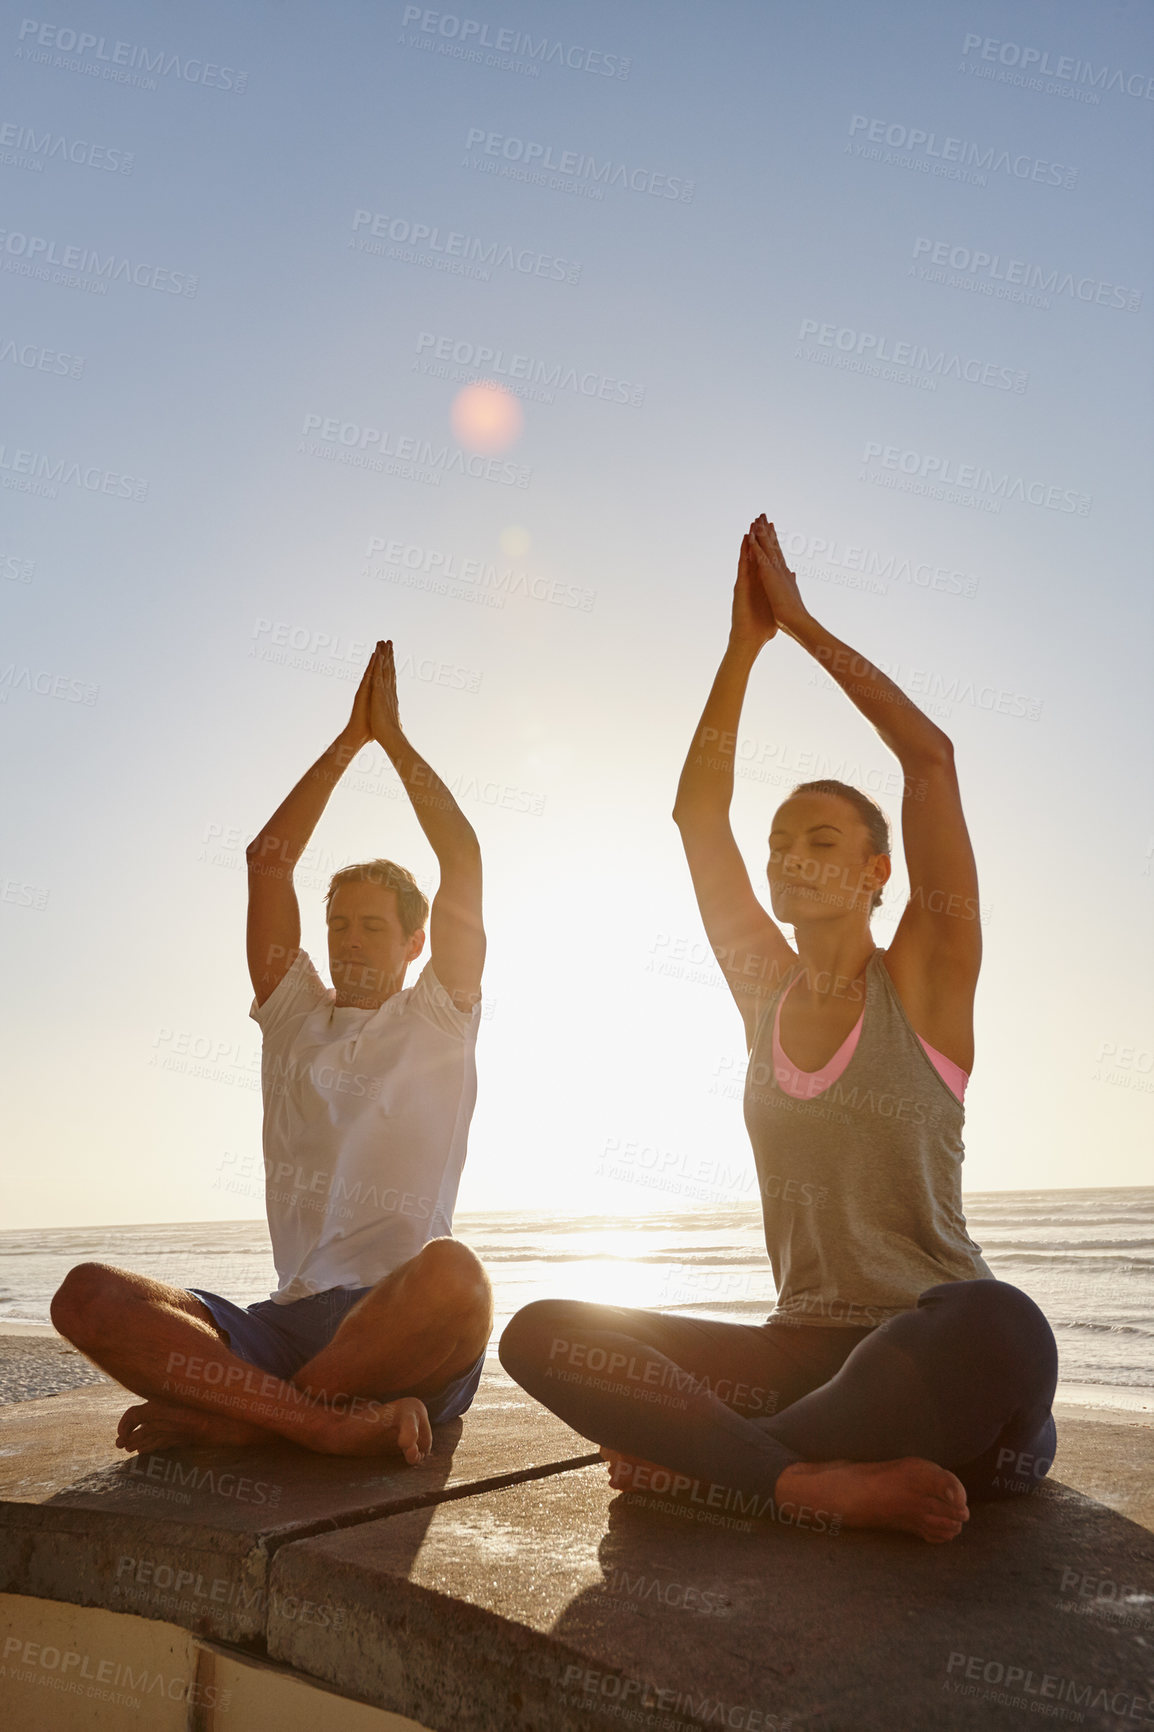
(881, 270)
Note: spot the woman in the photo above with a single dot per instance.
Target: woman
(895, 1377)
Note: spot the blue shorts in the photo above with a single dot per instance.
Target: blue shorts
(282, 1338)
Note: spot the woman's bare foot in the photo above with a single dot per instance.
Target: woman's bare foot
(398, 1427)
(163, 1424)
(623, 1470)
(910, 1494)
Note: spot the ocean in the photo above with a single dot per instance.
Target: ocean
(1085, 1256)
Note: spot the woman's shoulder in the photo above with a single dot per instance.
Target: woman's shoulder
(934, 1011)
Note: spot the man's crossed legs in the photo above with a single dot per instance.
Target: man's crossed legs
(364, 1393)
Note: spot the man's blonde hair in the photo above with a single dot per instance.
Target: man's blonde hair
(412, 903)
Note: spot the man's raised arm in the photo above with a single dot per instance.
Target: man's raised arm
(456, 933)
(274, 921)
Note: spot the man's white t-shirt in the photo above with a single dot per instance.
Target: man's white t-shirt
(366, 1118)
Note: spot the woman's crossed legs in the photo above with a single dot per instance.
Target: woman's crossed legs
(887, 1427)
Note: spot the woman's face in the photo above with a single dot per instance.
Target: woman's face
(820, 863)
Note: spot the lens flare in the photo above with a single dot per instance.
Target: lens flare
(486, 418)
(514, 541)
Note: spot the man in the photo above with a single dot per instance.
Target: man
(380, 1319)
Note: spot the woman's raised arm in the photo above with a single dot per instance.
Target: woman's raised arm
(936, 952)
(749, 946)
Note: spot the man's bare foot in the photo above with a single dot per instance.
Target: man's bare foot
(910, 1494)
(163, 1424)
(398, 1427)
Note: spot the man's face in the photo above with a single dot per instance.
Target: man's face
(369, 950)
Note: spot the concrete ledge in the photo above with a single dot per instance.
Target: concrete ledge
(187, 1535)
(558, 1603)
(503, 1585)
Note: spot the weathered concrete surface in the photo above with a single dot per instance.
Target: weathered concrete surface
(554, 1603)
(503, 1585)
(72, 1668)
(187, 1535)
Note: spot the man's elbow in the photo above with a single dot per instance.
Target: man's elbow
(690, 812)
(464, 850)
(269, 857)
(939, 752)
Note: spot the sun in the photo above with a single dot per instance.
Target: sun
(486, 417)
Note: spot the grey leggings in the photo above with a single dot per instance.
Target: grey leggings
(965, 1380)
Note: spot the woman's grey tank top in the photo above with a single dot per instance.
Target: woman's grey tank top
(861, 1187)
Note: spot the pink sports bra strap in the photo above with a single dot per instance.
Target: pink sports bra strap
(804, 1085)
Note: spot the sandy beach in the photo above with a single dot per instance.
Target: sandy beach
(35, 1361)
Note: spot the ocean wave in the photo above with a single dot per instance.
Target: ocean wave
(994, 1244)
(1120, 1377)
(1049, 1260)
(1092, 1328)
